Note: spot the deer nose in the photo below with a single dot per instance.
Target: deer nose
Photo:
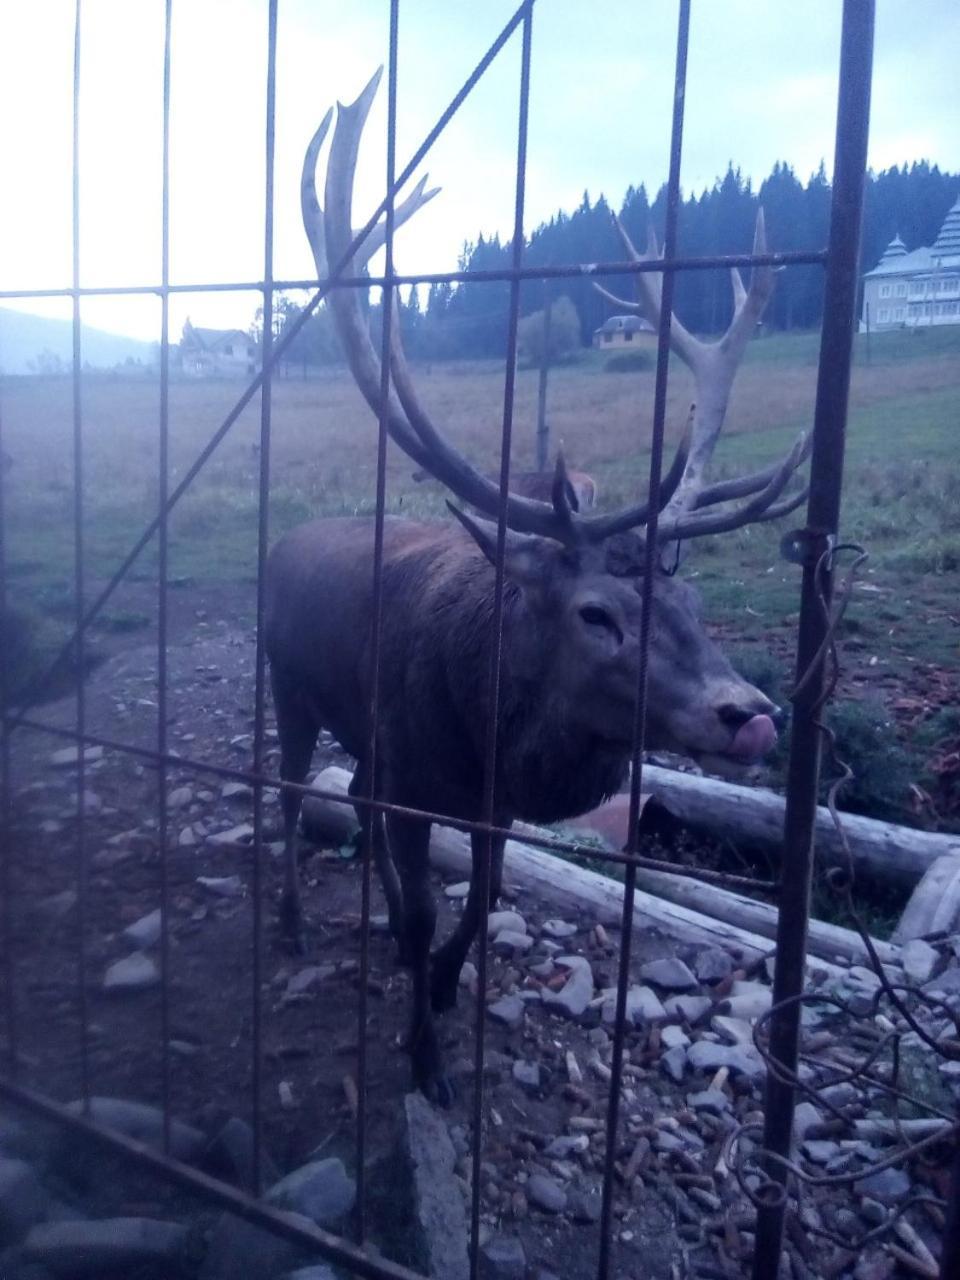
(734, 715)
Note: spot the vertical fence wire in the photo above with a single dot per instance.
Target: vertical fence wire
(651, 557)
(263, 533)
(79, 648)
(162, 588)
(823, 515)
(372, 824)
(496, 639)
(6, 799)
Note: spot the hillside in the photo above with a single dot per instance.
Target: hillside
(31, 344)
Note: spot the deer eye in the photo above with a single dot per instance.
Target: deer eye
(594, 616)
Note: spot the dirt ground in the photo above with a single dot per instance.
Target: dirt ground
(310, 1035)
(309, 1040)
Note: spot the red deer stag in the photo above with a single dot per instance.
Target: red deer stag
(570, 648)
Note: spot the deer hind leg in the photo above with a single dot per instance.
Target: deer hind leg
(448, 959)
(360, 785)
(297, 729)
(410, 840)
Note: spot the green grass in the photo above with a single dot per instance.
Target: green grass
(901, 486)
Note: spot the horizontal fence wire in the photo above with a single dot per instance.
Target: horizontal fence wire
(559, 271)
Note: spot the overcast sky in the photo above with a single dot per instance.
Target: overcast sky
(763, 77)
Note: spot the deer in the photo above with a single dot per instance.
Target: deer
(571, 619)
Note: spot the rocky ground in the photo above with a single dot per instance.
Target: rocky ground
(693, 1077)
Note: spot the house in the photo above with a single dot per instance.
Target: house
(916, 289)
(618, 331)
(206, 353)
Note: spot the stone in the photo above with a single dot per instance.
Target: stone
(527, 1074)
(23, 1201)
(497, 921)
(819, 1152)
(102, 1246)
(236, 791)
(229, 1155)
(690, 1008)
(733, 1030)
(805, 1116)
(508, 1010)
(507, 942)
(749, 999)
(70, 755)
(222, 886)
(503, 1258)
(133, 973)
(546, 1193)
(241, 834)
(316, 1271)
(919, 960)
(672, 1037)
(320, 1191)
(889, 1186)
(584, 1205)
(670, 973)
(558, 930)
(143, 1122)
(642, 1005)
(674, 1063)
(238, 1248)
(439, 1206)
(713, 1100)
(712, 965)
(144, 932)
(179, 797)
(575, 995)
(567, 1145)
(307, 978)
(458, 890)
(705, 1055)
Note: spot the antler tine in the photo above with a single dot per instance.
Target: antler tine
(685, 524)
(744, 486)
(309, 204)
(560, 493)
(407, 420)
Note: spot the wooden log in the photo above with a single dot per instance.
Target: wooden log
(699, 916)
(751, 815)
(934, 905)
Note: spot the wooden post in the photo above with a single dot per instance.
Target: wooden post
(543, 431)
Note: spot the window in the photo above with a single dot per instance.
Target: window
(884, 315)
(951, 284)
(884, 291)
(899, 313)
(628, 335)
(228, 349)
(901, 290)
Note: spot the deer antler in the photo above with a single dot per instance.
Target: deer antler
(330, 236)
(714, 366)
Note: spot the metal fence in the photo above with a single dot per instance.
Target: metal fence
(839, 260)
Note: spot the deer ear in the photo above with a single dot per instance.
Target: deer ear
(523, 556)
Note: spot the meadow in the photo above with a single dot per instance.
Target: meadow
(902, 634)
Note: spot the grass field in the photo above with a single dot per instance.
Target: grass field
(901, 490)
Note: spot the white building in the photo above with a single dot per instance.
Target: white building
(922, 288)
(206, 353)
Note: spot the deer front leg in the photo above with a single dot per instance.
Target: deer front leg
(297, 730)
(360, 786)
(448, 959)
(410, 842)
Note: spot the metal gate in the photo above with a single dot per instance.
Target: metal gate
(815, 548)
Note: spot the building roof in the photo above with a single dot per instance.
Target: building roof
(626, 324)
(212, 339)
(944, 252)
(947, 243)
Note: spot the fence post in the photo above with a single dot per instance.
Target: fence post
(823, 514)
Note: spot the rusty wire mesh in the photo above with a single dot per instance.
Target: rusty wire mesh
(762, 1162)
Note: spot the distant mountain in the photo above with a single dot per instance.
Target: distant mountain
(37, 344)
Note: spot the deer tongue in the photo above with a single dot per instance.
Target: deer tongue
(754, 739)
